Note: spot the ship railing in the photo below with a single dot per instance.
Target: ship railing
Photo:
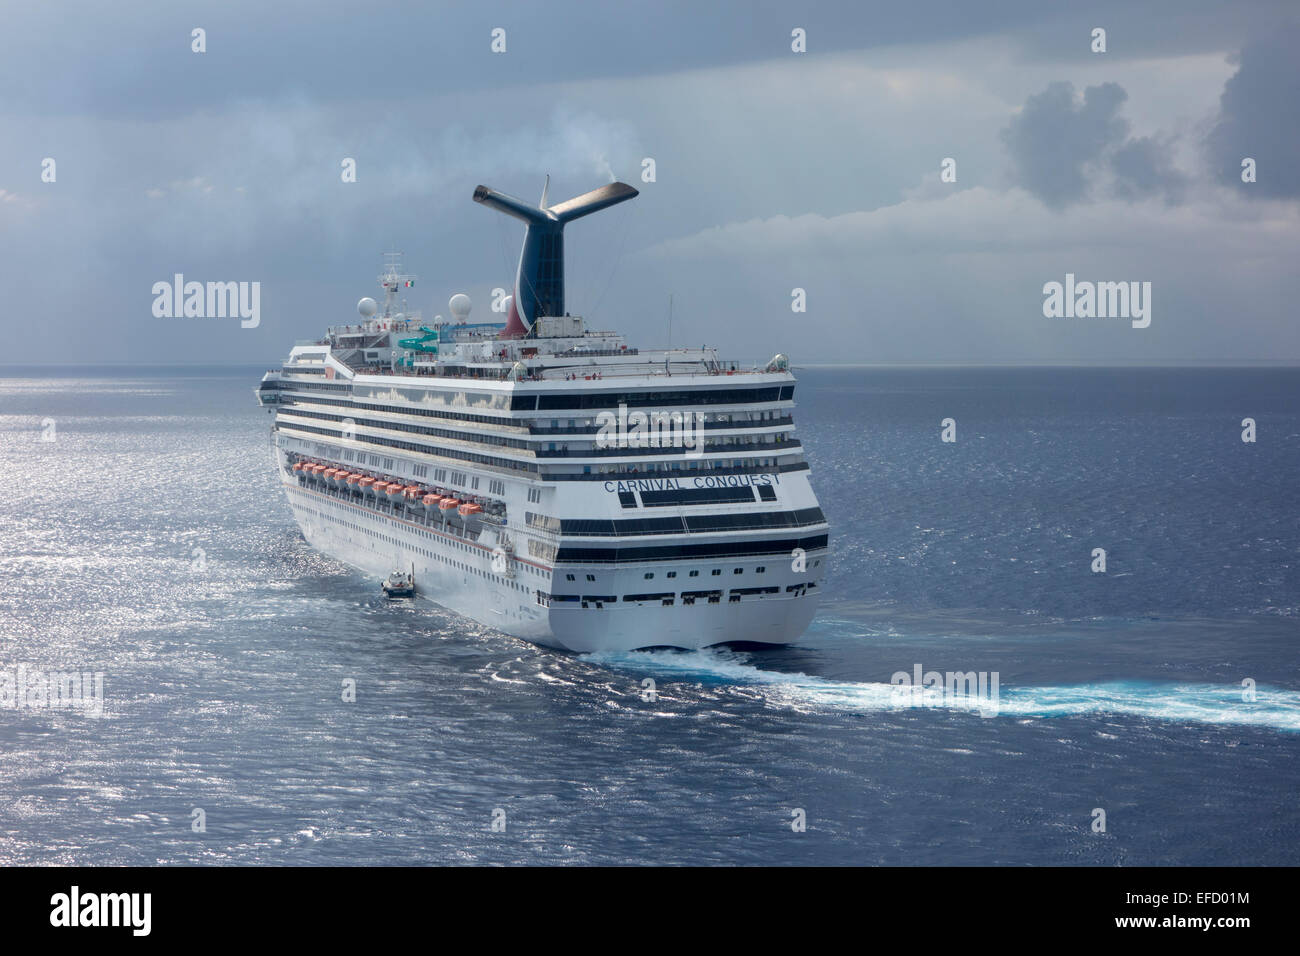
(410, 322)
(594, 353)
(501, 371)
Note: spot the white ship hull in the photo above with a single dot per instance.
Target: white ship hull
(458, 576)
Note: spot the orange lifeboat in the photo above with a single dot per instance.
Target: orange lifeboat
(353, 478)
(395, 490)
(447, 504)
(413, 492)
(298, 466)
(366, 484)
(469, 508)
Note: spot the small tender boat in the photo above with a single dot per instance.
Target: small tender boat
(400, 584)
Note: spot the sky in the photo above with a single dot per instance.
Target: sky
(774, 170)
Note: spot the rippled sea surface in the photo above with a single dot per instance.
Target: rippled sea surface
(148, 541)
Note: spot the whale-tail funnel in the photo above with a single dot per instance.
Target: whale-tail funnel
(539, 283)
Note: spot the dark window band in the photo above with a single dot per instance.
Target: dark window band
(718, 549)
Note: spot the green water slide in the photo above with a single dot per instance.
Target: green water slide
(423, 343)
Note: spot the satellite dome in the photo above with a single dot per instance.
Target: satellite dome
(459, 304)
(367, 307)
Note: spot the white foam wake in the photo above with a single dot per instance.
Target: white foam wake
(1273, 708)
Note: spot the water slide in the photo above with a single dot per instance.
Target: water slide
(424, 343)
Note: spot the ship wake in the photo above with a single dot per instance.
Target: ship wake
(1272, 708)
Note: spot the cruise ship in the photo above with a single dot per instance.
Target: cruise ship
(547, 479)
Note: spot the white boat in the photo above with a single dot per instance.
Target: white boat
(399, 584)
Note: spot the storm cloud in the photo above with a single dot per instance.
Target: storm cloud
(774, 170)
(1057, 138)
(1065, 149)
(1259, 117)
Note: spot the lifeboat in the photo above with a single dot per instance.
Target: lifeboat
(366, 485)
(431, 503)
(352, 479)
(412, 492)
(298, 466)
(447, 509)
(331, 476)
(469, 508)
(395, 490)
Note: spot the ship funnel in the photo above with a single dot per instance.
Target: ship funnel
(539, 283)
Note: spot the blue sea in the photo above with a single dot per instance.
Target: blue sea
(144, 537)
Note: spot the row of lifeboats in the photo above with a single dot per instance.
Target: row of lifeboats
(369, 486)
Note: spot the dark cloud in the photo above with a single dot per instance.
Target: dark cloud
(226, 166)
(1143, 168)
(1065, 150)
(1259, 117)
(1056, 139)
(134, 60)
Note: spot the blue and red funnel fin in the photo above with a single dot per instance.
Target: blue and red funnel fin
(539, 283)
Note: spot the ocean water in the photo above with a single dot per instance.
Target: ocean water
(148, 541)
